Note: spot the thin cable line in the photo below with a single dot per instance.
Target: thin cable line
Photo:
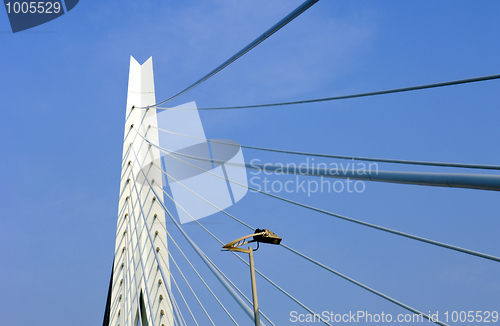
(153, 321)
(178, 268)
(175, 306)
(210, 264)
(215, 237)
(130, 241)
(195, 220)
(222, 243)
(239, 291)
(172, 299)
(248, 226)
(178, 289)
(178, 316)
(196, 248)
(206, 285)
(343, 276)
(174, 303)
(343, 157)
(343, 97)
(373, 291)
(170, 254)
(288, 18)
(189, 285)
(365, 287)
(117, 274)
(183, 299)
(224, 275)
(331, 270)
(407, 235)
(453, 180)
(176, 309)
(140, 256)
(182, 274)
(177, 286)
(216, 207)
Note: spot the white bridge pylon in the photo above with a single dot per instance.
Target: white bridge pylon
(140, 289)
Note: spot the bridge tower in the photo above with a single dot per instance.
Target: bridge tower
(140, 286)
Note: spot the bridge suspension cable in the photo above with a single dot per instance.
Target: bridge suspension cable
(244, 261)
(223, 279)
(211, 234)
(185, 279)
(355, 158)
(129, 244)
(177, 286)
(234, 286)
(454, 180)
(183, 299)
(148, 296)
(200, 253)
(415, 311)
(407, 235)
(136, 160)
(176, 311)
(222, 243)
(209, 262)
(215, 266)
(317, 263)
(288, 18)
(198, 250)
(198, 274)
(344, 97)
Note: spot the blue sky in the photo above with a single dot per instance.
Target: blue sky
(63, 94)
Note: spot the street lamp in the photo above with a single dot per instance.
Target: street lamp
(264, 236)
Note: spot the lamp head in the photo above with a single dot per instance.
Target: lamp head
(267, 237)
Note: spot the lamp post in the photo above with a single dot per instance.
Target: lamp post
(264, 236)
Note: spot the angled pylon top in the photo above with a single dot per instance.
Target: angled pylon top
(141, 82)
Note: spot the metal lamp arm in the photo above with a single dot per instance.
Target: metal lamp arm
(231, 245)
